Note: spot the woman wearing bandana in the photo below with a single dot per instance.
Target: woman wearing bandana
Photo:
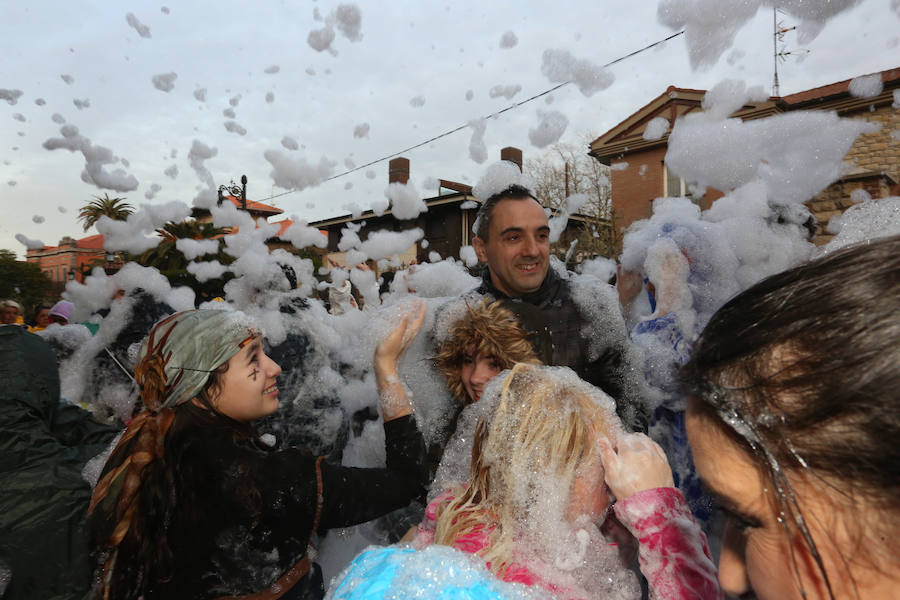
(193, 504)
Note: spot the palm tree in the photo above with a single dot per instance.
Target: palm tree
(114, 208)
(172, 263)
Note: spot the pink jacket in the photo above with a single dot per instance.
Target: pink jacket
(673, 552)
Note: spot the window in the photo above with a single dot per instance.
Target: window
(675, 185)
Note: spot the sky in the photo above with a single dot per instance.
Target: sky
(256, 59)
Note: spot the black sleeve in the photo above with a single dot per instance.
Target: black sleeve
(352, 495)
(618, 373)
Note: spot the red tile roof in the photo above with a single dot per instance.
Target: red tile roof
(286, 223)
(257, 207)
(282, 226)
(834, 89)
(93, 242)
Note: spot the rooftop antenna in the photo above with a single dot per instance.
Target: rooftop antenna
(780, 53)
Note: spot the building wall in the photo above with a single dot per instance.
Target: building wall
(58, 262)
(635, 187)
(878, 151)
(443, 230)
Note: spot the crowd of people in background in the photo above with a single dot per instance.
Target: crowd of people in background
(569, 462)
(13, 313)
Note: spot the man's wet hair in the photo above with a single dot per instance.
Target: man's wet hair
(483, 218)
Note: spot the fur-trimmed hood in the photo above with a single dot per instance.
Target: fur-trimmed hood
(493, 330)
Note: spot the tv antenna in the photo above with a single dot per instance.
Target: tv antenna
(779, 29)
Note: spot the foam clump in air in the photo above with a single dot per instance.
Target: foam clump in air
(793, 156)
(500, 176)
(348, 20)
(301, 235)
(441, 279)
(193, 249)
(508, 40)
(571, 206)
(559, 66)
(383, 243)
(29, 243)
(477, 148)
(150, 194)
(95, 157)
(10, 96)
(468, 256)
(320, 39)
(141, 29)
(206, 270)
(710, 26)
(656, 128)
(406, 202)
(504, 91)
(551, 125)
(297, 174)
(235, 127)
(866, 86)
(165, 82)
(197, 156)
(131, 235)
(361, 130)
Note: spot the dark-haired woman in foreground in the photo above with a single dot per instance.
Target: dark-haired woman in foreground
(794, 425)
(193, 504)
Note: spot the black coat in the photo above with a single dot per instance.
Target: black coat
(244, 513)
(559, 332)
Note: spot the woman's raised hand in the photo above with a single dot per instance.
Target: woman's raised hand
(394, 399)
(640, 464)
(392, 347)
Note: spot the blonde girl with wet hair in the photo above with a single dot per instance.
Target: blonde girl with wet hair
(549, 456)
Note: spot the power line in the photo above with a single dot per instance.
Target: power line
(466, 125)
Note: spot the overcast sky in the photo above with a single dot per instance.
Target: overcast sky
(438, 51)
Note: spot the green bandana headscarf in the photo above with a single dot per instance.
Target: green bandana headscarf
(174, 363)
(186, 347)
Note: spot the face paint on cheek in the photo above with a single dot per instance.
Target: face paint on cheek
(254, 374)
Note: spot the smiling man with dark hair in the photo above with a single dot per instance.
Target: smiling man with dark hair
(512, 238)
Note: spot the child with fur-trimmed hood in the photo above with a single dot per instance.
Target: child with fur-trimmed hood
(485, 340)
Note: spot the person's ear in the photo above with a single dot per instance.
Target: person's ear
(480, 249)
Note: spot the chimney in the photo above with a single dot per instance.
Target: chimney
(513, 155)
(398, 170)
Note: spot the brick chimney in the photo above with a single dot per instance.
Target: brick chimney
(398, 170)
(513, 155)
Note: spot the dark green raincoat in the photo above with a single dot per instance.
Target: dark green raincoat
(43, 499)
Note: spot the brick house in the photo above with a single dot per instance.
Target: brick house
(447, 225)
(639, 174)
(71, 259)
